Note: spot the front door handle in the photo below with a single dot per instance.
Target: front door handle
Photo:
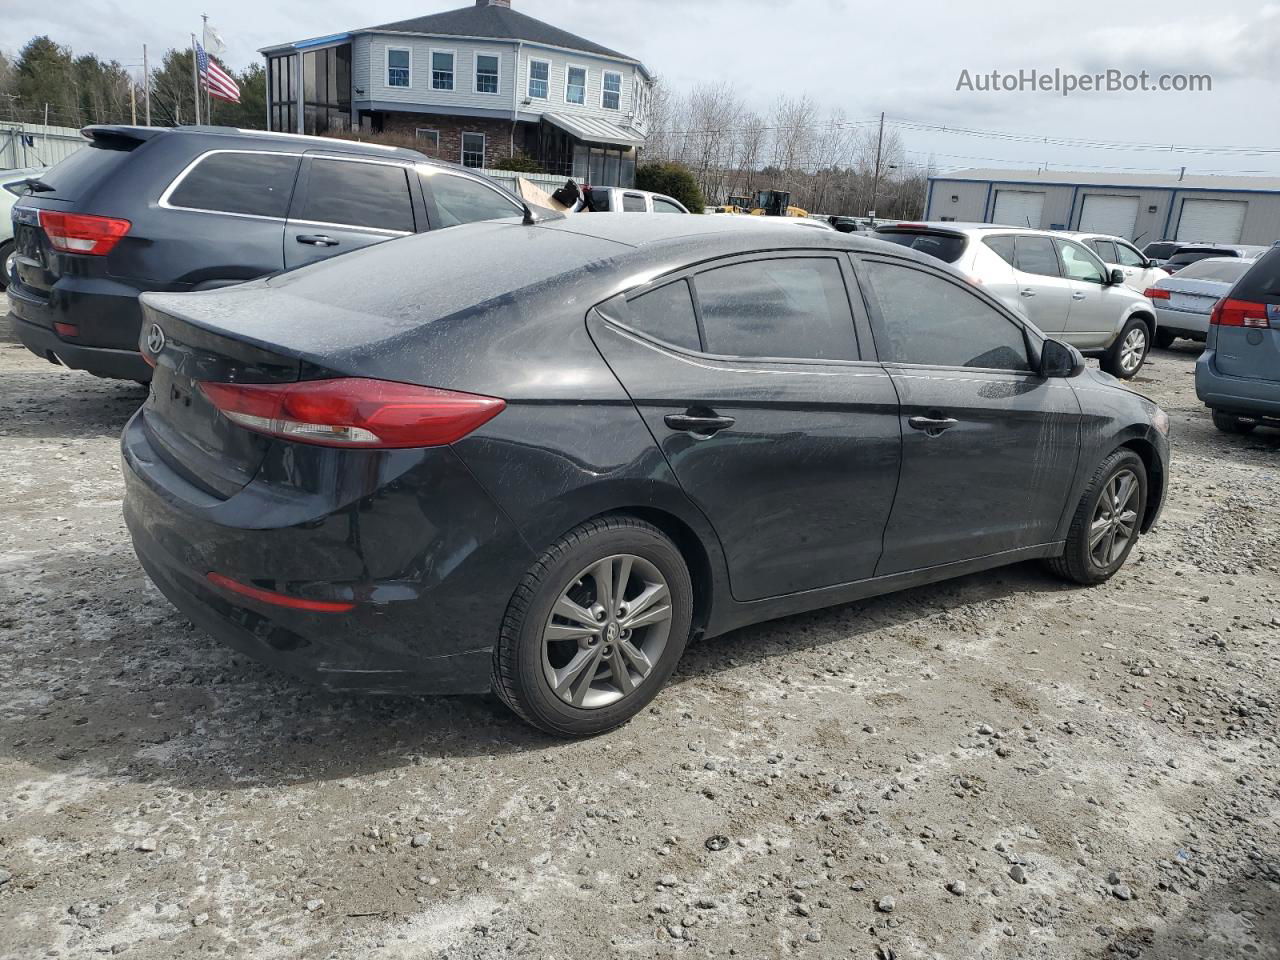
(933, 426)
(1027, 292)
(1079, 296)
(317, 240)
(700, 426)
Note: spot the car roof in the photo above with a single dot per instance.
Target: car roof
(961, 227)
(286, 142)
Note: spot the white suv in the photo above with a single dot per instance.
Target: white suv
(1051, 278)
(1140, 272)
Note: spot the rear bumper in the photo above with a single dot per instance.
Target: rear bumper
(1183, 322)
(100, 361)
(427, 558)
(1258, 398)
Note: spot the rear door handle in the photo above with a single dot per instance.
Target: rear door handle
(1026, 292)
(1079, 296)
(699, 426)
(317, 240)
(933, 426)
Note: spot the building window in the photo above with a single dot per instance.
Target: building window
(486, 73)
(539, 79)
(473, 149)
(441, 69)
(399, 60)
(575, 85)
(611, 91)
(430, 137)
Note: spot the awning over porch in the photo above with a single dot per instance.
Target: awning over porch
(594, 130)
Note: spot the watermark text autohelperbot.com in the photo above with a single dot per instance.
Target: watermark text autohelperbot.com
(1066, 83)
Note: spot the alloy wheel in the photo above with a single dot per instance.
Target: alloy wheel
(1133, 349)
(606, 631)
(1115, 519)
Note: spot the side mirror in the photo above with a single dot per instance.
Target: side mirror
(1117, 277)
(1058, 359)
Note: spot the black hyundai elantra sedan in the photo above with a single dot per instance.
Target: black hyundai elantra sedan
(539, 457)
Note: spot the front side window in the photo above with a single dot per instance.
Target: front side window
(539, 79)
(259, 184)
(359, 195)
(1036, 255)
(575, 85)
(462, 200)
(787, 308)
(441, 70)
(1129, 257)
(399, 60)
(666, 314)
(928, 320)
(665, 206)
(611, 91)
(473, 149)
(486, 73)
(1078, 264)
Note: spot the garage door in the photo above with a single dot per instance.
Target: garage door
(1018, 208)
(1114, 216)
(1212, 221)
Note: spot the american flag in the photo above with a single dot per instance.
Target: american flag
(216, 80)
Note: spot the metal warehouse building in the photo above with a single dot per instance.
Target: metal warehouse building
(1140, 207)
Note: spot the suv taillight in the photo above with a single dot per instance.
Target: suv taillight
(82, 232)
(354, 412)
(1239, 313)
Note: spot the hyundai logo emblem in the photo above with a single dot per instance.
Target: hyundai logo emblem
(155, 339)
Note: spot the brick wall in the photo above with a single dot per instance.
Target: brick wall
(497, 134)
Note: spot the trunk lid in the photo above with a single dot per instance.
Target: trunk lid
(184, 428)
(1193, 296)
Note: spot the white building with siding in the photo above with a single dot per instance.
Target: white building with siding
(1139, 207)
(471, 86)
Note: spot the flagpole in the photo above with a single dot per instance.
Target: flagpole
(208, 92)
(195, 77)
(146, 84)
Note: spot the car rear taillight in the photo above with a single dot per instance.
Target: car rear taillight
(1155, 293)
(354, 412)
(82, 233)
(1239, 313)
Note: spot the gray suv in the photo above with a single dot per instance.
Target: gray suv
(1052, 279)
(193, 208)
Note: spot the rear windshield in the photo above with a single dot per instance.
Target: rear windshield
(1159, 250)
(1215, 268)
(88, 166)
(1262, 282)
(947, 247)
(1195, 256)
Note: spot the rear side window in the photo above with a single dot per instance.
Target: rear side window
(946, 247)
(928, 320)
(777, 308)
(1036, 255)
(254, 183)
(462, 200)
(359, 195)
(633, 203)
(1106, 250)
(1002, 247)
(666, 314)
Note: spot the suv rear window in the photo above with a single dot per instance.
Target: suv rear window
(86, 167)
(259, 184)
(1262, 283)
(947, 247)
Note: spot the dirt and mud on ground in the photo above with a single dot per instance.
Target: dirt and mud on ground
(1001, 766)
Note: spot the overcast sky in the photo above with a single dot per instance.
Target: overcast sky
(904, 58)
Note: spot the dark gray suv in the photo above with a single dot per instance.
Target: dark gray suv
(193, 208)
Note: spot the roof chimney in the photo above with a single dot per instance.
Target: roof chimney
(493, 3)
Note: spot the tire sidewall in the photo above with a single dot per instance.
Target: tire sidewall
(537, 695)
(1117, 370)
(1126, 460)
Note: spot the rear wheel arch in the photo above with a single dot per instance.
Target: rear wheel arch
(695, 554)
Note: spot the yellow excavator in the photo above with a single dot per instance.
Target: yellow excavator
(775, 203)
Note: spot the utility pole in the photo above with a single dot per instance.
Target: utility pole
(146, 85)
(133, 102)
(195, 77)
(875, 183)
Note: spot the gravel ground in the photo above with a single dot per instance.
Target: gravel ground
(1000, 766)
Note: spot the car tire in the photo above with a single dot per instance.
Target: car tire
(6, 248)
(1230, 423)
(1165, 338)
(586, 673)
(1126, 356)
(1090, 558)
